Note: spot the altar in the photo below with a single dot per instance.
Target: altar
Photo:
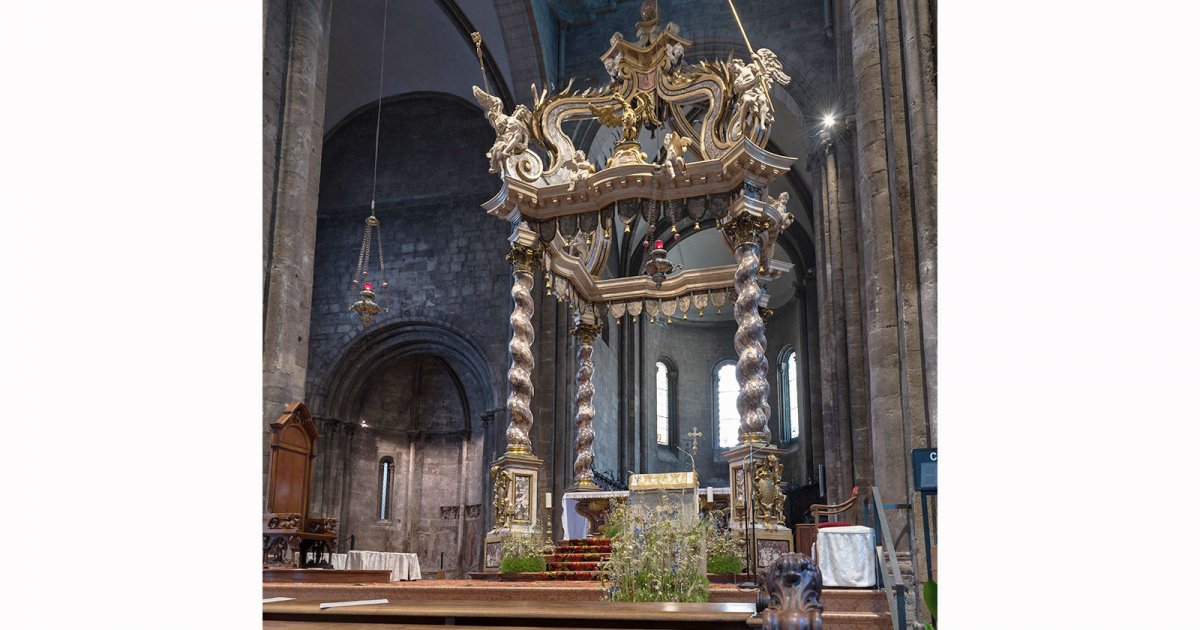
(583, 512)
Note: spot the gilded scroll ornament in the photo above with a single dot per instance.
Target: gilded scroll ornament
(768, 495)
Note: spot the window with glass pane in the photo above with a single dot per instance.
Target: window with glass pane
(664, 403)
(791, 396)
(727, 413)
(385, 483)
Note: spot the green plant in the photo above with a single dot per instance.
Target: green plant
(929, 594)
(523, 564)
(612, 530)
(721, 542)
(724, 564)
(656, 557)
(521, 553)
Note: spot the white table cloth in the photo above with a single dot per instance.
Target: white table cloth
(846, 556)
(404, 566)
(338, 560)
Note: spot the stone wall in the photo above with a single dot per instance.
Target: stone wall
(446, 270)
(445, 256)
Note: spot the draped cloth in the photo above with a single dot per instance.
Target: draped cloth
(404, 566)
(846, 556)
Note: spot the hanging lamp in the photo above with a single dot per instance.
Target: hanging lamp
(366, 306)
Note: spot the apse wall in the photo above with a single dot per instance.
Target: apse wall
(445, 256)
(413, 416)
(445, 261)
(696, 348)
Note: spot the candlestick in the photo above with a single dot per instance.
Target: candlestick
(549, 498)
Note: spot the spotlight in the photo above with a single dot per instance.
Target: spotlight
(829, 121)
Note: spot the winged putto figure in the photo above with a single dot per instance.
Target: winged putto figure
(512, 131)
(676, 146)
(749, 80)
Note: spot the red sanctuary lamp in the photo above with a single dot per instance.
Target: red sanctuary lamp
(657, 267)
(365, 306)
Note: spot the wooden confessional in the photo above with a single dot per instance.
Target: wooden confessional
(291, 537)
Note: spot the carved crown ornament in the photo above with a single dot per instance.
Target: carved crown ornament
(712, 119)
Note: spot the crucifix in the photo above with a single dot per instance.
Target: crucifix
(695, 435)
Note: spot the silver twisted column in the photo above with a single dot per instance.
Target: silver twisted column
(584, 411)
(750, 340)
(520, 386)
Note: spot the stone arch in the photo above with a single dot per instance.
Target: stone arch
(337, 392)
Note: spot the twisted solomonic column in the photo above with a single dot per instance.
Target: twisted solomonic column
(520, 386)
(750, 341)
(584, 411)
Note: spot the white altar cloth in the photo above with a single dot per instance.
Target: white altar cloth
(846, 556)
(338, 560)
(404, 566)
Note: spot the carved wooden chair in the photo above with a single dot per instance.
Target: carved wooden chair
(841, 514)
(290, 534)
(838, 512)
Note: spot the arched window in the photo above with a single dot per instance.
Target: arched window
(789, 391)
(665, 377)
(725, 387)
(387, 468)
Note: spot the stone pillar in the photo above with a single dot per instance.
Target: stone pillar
(292, 215)
(750, 340)
(515, 489)
(754, 467)
(520, 387)
(897, 238)
(585, 331)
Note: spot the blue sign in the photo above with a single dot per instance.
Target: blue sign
(924, 462)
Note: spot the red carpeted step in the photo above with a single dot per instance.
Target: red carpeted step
(583, 576)
(577, 557)
(574, 566)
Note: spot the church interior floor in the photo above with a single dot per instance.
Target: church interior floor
(845, 609)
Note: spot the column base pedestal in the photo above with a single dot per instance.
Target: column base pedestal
(769, 538)
(519, 474)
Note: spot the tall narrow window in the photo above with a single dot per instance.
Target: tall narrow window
(728, 420)
(386, 469)
(791, 396)
(663, 401)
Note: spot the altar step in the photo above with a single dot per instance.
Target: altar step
(576, 560)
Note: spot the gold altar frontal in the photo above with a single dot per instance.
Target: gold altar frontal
(664, 481)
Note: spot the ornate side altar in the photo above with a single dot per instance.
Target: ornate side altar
(712, 172)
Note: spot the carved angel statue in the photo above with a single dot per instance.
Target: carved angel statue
(612, 65)
(753, 102)
(786, 219)
(578, 169)
(578, 245)
(674, 55)
(631, 118)
(512, 131)
(676, 146)
(780, 206)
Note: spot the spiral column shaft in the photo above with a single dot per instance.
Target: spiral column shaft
(750, 341)
(520, 386)
(584, 411)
